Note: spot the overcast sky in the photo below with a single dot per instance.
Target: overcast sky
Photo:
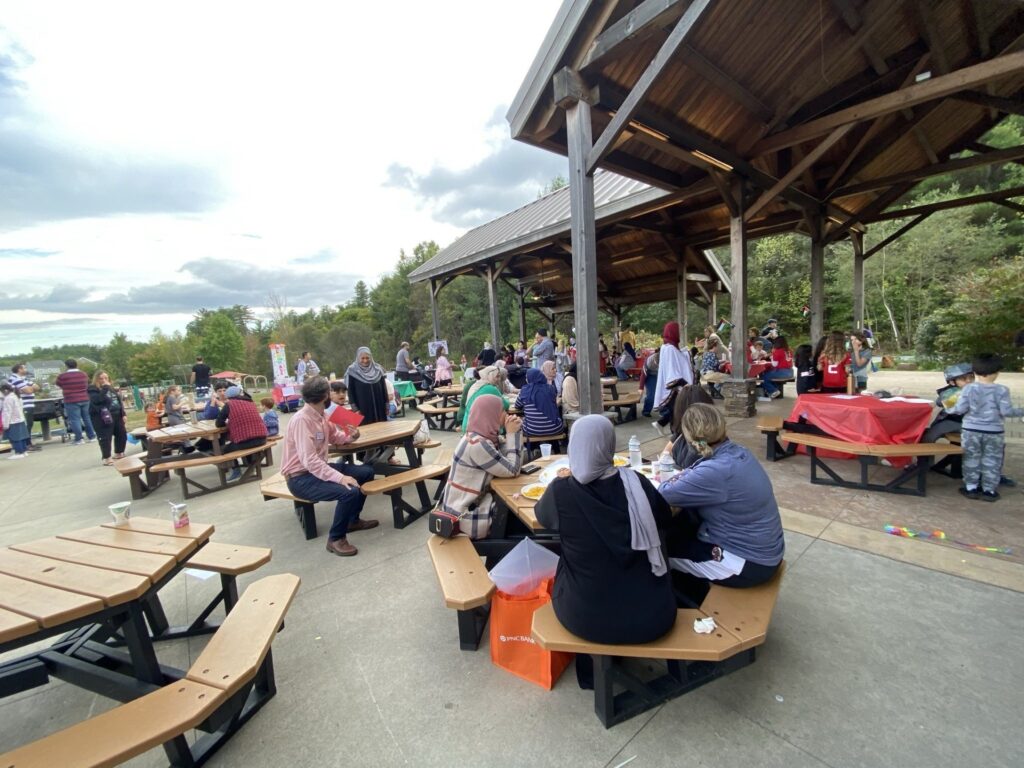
(158, 158)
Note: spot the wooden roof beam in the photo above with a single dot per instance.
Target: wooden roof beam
(991, 157)
(930, 32)
(689, 140)
(796, 171)
(988, 197)
(1010, 205)
(852, 18)
(638, 24)
(683, 28)
(918, 93)
(897, 234)
(998, 103)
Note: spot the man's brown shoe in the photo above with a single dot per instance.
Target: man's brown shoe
(341, 547)
(363, 525)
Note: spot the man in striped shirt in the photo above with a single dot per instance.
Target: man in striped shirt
(27, 389)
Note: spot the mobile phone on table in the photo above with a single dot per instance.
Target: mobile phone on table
(529, 469)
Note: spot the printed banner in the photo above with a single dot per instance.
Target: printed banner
(279, 363)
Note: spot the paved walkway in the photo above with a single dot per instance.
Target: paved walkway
(882, 651)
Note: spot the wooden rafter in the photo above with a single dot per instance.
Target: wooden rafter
(635, 26)
(897, 234)
(945, 205)
(683, 28)
(990, 157)
(919, 93)
(852, 18)
(930, 32)
(998, 103)
(796, 171)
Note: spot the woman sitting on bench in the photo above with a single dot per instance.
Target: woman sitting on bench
(730, 532)
(612, 583)
(489, 383)
(481, 455)
(538, 403)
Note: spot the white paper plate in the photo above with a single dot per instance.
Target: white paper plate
(550, 472)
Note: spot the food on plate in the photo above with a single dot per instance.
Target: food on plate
(621, 461)
(533, 491)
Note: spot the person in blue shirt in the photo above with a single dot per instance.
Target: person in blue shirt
(729, 501)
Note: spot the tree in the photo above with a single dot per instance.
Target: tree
(117, 354)
(222, 345)
(361, 297)
(555, 184)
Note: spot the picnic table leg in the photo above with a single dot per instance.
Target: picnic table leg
(140, 646)
(411, 453)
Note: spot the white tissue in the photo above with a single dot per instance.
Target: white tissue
(704, 626)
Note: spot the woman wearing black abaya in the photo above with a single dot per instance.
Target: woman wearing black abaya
(367, 392)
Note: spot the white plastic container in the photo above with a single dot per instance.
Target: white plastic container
(635, 459)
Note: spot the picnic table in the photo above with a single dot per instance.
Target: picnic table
(91, 588)
(865, 419)
(157, 439)
(450, 394)
(507, 490)
(399, 434)
(405, 389)
(611, 383)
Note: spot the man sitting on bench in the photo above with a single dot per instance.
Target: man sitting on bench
(308, 474)
(245, 425)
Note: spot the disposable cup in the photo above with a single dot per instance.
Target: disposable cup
(120, 512)
(545, 449)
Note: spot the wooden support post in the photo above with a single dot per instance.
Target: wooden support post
(492, 298)
(817, 224)
(522, 316)
(738, 275)
(434, 288)
(682, 315)
(584, 254)
(858, 279)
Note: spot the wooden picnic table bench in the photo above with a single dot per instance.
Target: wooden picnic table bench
(223, 463)
(624, 405)
(229, 682)
(869, 454)
(465, 585)
(437, 415)
(690, 659)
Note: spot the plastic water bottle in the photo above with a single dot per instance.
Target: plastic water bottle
(668, 467)
(635, 460)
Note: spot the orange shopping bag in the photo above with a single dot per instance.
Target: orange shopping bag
(512, 646)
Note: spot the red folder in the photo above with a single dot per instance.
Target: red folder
(343, 417)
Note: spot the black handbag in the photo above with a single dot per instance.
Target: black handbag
(443, 524)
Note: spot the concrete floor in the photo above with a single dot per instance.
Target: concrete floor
(882, 651)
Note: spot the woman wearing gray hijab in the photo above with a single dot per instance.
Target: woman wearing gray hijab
(367, 392)
(612, 583)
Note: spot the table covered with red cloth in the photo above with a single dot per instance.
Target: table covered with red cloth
(754, 370)
(865, 419)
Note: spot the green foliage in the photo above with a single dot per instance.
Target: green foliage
(117, 355)
(555, 184)
(222, 346)
(984, 315)
(361, 296)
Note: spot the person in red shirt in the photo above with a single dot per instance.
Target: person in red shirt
(74, 384)
(309, 476)
(244, 422)
(782, 367)
(834, 363)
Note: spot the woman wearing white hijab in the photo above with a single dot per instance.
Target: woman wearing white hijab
(612, 583)
(674, 365)
(367, 392)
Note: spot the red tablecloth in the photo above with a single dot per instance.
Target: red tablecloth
(754, 370)
(866, 419)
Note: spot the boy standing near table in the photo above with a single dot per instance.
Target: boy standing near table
(984, 406)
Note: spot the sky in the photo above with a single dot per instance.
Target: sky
(160, 158)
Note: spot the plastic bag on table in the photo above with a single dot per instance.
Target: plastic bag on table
(523, 569)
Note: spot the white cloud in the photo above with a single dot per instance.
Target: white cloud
(253, 133)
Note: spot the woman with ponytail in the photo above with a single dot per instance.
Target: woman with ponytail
(732, 534)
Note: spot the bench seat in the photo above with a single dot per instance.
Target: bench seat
(437, 415)
(741, 617)
(465, 585)
(230, 681)
(276, 487)
(532, 443)
(250, 471)
(132, 467)
(624, 403)
(868, 455)
(404, 513)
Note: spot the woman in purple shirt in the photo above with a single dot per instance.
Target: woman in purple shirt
(730, 532)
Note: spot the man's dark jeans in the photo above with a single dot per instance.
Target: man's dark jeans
(350, 500)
